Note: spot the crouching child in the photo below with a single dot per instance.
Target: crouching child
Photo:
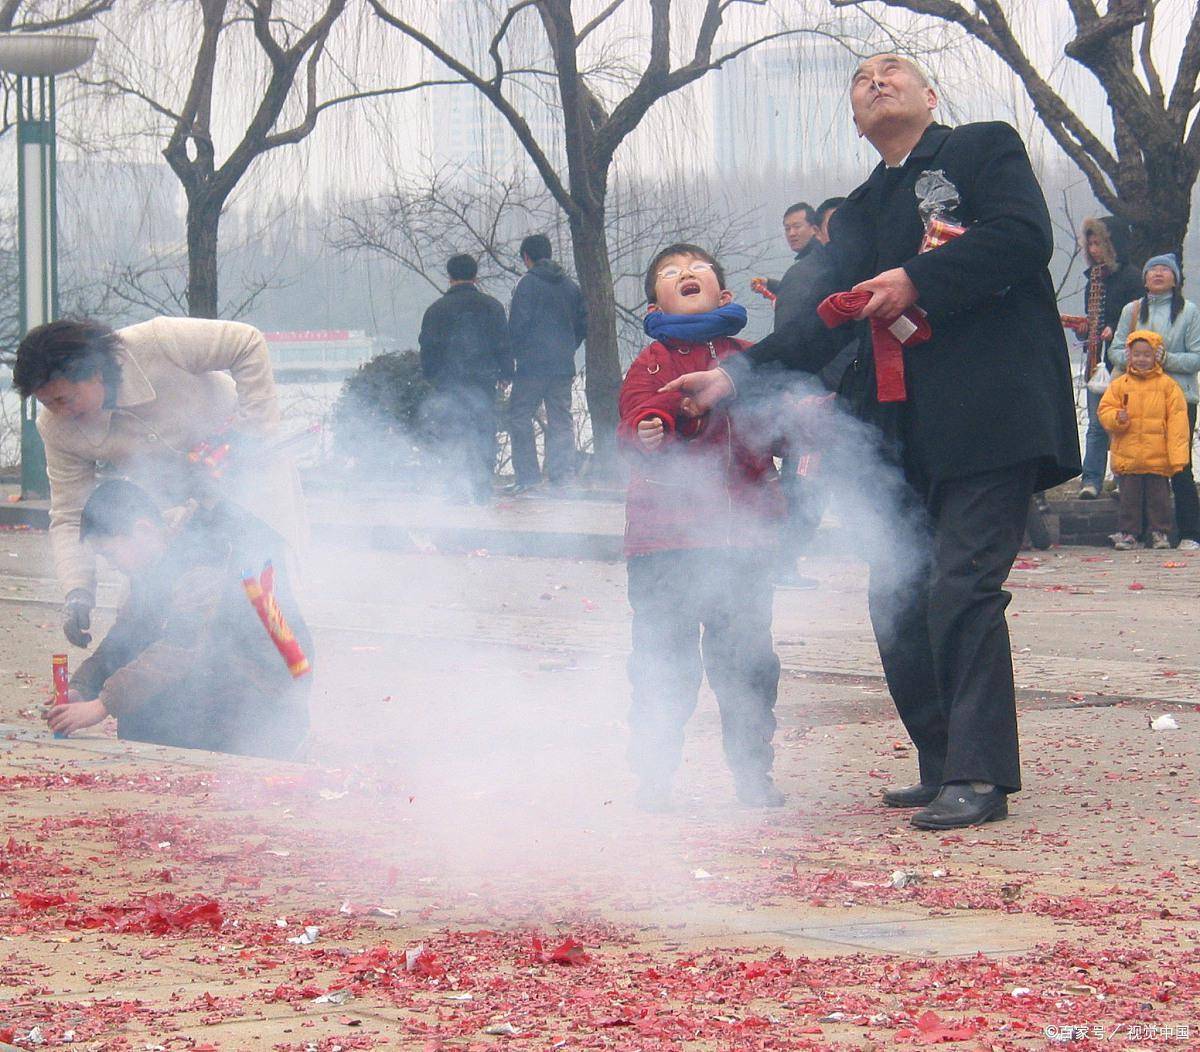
(1145, 412)
(702, 515)
(188, 661)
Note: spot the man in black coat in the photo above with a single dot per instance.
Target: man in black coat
(547, 321)
(465, 353)
(805, 499)
(988, 419)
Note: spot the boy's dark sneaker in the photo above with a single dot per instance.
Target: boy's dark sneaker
(653, 797)
(760, 791)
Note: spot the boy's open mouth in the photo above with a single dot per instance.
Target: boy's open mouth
(691, 287)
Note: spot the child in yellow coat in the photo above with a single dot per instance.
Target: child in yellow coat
(1145, 412)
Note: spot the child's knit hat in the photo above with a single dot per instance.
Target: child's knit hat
(1151, 338)
(1168, 260)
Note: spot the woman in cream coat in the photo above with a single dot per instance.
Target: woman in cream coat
(135, 402)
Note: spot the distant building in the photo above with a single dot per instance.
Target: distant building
(783, 110)
(465, 129)
(323, 354)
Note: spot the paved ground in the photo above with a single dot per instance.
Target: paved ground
(467, 794)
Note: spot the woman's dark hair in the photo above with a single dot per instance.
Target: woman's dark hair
(1143, 311)
(680, 248)
(72, 349)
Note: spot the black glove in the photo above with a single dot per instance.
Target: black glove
(77, 616)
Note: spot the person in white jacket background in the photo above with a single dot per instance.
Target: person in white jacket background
(135, 402)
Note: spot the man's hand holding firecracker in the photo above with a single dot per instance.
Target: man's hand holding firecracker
(892, 293)
(701, 391)
(651, 432)
(76, 716)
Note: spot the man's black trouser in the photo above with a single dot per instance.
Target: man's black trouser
(462, 416)
(528, 393)
(938, 616)
(729, 594)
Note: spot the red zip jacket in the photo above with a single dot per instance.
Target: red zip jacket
(705, 486)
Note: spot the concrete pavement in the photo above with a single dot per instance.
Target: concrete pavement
(466, 793)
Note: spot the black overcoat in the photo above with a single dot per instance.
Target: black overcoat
(993, 387)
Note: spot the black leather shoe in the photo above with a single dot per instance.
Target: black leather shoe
(958, 805)
(917, 795)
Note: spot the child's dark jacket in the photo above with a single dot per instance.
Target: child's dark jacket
(188, 634)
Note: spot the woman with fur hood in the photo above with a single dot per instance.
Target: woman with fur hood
(1111, 282)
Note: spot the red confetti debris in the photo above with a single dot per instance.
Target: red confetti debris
(931, 1030)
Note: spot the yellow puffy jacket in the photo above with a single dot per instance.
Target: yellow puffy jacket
(1155, 439)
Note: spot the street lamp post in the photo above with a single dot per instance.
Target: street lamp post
(36, 59)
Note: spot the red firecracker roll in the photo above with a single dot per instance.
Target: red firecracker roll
(260, 590)
(888, 338)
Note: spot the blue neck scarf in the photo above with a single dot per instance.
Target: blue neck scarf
(696, 328)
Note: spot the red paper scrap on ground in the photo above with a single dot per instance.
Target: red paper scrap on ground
(931, 1030)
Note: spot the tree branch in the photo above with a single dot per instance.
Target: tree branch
(599, 20)
(1147, 59)
(495, 95)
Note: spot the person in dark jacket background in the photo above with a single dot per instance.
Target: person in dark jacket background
(1111, 282)
(188, 662)
(547, 321)
(465, 353)
(988, 417)
(806, 503)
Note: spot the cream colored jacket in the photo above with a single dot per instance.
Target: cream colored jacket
(182, 381)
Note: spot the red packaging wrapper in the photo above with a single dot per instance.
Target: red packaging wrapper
(62, 684)
(62, 680)
(260, 590)
(938, 232)
(888, 338)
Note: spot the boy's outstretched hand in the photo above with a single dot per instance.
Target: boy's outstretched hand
(701, 391)
(63, 719)
(650, 432)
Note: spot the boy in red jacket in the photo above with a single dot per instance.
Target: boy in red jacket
(702, 514)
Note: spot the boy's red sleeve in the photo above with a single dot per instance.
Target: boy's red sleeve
(640, 398)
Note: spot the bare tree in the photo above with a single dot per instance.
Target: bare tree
(425, 219)
(1147, 174)
(602, 99)
(286, 103)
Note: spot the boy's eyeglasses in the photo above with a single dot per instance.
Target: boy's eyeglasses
(671, 273)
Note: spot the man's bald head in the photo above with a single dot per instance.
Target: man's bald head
(889, 56)
(892, 101)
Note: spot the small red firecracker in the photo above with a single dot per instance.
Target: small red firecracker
(760, 286)
(260, 590)
(938, 232)
(62, 684)
(210, 454)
